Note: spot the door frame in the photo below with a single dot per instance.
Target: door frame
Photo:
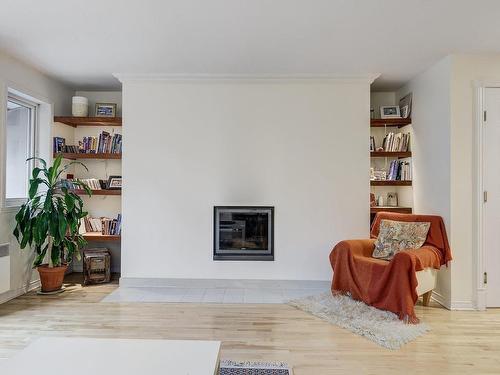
(478, 188)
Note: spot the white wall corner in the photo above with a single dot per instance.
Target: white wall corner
(265, 78)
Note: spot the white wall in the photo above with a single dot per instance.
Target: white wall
(466, 69)
(22, 77)
(443, 123)
(431, 151)
(300, 146)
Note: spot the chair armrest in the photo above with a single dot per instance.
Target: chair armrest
(363, 247)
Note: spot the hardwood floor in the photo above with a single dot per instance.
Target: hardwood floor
(461, 342)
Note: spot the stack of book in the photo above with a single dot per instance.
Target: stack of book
(105, 144)
(104, 225)
(92, 183)
(110, 144)
(396, 142)
(399, 170)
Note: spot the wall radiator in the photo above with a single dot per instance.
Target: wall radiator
(4, 268)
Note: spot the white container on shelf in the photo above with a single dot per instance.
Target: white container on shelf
(80, 106)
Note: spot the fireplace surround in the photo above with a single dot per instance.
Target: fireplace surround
(243, 233)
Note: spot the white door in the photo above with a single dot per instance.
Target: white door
(491, 185)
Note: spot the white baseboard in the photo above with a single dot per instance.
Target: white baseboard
(441, 300)
(139, 282)
(463, 305)
(11, 294)
(453, 305)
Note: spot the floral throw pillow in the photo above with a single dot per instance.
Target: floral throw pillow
(396, 236)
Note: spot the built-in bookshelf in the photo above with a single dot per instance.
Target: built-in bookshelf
(92, 133)
(393, 155)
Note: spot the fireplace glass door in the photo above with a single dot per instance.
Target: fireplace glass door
(243, 233)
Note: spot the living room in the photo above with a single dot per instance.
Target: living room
(256, 230)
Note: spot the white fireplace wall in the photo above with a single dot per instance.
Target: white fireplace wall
(298, 145)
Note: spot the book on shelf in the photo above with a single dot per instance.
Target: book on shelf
(106, 143)
(396, 142)
(399, 171)
(103, 225)
(92, 183)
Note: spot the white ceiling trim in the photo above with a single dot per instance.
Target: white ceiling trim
(248, 78)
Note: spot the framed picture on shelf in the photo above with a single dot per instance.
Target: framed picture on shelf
(372, 143)
(105, 109)
(114, 182)
(389, 111)
(405, 106)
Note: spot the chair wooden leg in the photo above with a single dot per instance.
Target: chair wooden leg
(426, 298)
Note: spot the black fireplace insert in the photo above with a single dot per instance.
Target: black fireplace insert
(243, 233)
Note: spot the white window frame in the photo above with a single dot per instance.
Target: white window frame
(12, 203)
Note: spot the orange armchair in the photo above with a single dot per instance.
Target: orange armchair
(391, 285)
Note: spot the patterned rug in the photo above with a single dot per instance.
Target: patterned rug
(379, 326)
(228, 367)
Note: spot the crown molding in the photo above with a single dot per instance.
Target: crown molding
(248, 78)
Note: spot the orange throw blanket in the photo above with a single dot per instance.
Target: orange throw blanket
(388, 285)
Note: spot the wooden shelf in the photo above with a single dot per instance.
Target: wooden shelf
(89, 121)
(402, 210)
(74, 156)
(97, 192)
(390, 183)
(100, 237)
(390, 154)
(398, 122)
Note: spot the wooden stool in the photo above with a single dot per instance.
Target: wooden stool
(96, 266)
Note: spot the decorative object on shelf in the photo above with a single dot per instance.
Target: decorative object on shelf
(380, 201)
(105, 109)
(389, 111)
(373, 201)
(372, 113)
(96, 266)
(392, 199)
(372, 143)
(48, 222)
(405, 105)
(80, 106)
(114, 182)
(379, 175)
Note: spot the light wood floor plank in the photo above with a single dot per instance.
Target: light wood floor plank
(461, 342)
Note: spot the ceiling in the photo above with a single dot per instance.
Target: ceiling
(82, 43)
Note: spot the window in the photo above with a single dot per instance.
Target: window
(20, 145)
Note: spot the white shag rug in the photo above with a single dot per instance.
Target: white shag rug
(379, 326)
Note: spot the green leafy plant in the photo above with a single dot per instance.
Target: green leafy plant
(49, 220)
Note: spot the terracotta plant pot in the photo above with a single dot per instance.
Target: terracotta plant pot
(51, 278)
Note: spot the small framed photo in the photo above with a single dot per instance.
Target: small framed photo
(105, 109)
(405, 105)
(389, 111)
(114, 182)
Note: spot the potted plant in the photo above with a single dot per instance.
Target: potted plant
(49, 222)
